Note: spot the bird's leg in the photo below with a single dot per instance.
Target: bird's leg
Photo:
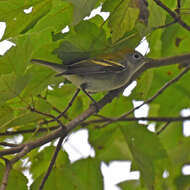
(89, 96)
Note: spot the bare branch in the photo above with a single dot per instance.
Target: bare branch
(6, 174)
(22, 153)
(8, 144)
(165, 25)
(63, 132)
(160, 91)
(10, 133)
(179, 59)
(149, 100)
(178, 7)
(173, 14)
(51, 163)
(158, 119)
(48, 115)
(163, 128)
(70, 103)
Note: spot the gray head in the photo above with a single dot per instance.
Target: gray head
(134, 59)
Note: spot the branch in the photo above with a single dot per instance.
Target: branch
(92, 109)
(163, 128)
(165, 25)
(6, 174)
(173, 14)
(51, 163)
(69, 104)
(149, 100)
(160, 91)
(158, 119)
(178, 7)
(8, 144)
(47, 115)
(9, 164)
(179, 59)
(63, 132)
(66, 109)
(10, 133)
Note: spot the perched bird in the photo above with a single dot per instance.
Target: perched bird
(99, 74)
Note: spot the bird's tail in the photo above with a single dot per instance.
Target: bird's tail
(55, 66)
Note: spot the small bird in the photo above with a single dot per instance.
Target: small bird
(99, 74)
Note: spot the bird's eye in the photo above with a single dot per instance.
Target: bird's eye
(137, 56)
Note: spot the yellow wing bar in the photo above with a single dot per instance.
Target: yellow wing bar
(114, 62)
(107, 62)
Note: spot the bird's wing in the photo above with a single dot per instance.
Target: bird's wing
(93, 66)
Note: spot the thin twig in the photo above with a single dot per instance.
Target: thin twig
(9, 164)
(66, 109)
(163, 128)
(8, 144)
(173, 14)
(178, 7)
(48, 115)
(53, 107)
(177, 10)
(160, 91)
(159, 119)
(70, 103)
(51, 163)
(165, 25)
(11, 133)
(22, 153)
(70, 126)
(149, 100)
(120, 119)
(6, 174)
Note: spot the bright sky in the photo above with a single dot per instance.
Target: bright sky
(78, 147)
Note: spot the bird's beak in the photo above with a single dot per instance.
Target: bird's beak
(148, 60)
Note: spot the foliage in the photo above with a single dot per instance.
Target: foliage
(27, 104)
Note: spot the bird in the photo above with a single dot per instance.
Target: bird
(99, 74)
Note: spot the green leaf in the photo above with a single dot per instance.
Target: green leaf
(57, 18)
(175, 41)
(148, 153)
(123, 19)
(182, 182)
(118, 106)
(172, 136)
(131, 185)
(11, 86)
(84, 41)
(83, 174)
(60, 98)
(110, 5)
(109, 143)
(179, 155)
(144, 84)
(167, 99)
(155, 44)
(6, 113)
(40, 77)
(12, 12)
(157, 15)
(16, 179)
(41, 160)
(82, 8)
(17, 58)
(22, 119)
